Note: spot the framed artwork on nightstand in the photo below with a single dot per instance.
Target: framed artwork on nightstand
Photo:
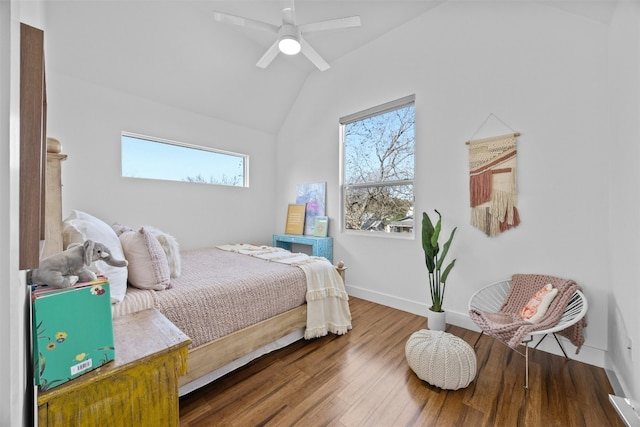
(314, 196)
(321, 226)
(295, 219)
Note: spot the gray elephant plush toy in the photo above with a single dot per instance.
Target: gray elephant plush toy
(63, 270)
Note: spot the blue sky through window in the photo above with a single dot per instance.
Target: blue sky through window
(144, 157)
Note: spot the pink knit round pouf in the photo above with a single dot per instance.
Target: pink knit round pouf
(441, 359)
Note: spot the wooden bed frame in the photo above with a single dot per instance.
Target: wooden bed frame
(224, 350)
(206, 358)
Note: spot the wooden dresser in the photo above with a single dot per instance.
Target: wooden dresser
(139, 388)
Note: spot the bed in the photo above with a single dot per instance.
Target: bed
(236, 302)
(234, 307)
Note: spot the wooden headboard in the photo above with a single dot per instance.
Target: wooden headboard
(53, 200)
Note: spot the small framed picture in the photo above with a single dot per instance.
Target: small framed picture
(321, 226)
(295, 219)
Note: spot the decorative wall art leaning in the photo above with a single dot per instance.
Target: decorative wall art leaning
(492, 183)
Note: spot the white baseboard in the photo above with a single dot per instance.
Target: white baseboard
(627, 409)
(618, 390)
(591, 355)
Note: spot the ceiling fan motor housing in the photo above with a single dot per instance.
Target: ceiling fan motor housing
(289, 39)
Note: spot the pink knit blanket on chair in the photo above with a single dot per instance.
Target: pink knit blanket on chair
(507, 326)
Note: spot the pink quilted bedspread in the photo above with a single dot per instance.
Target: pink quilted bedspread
(220, 292)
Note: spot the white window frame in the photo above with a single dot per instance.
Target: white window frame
(243, 157)
(370, 112)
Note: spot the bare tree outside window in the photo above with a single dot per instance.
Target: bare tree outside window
(378, 168)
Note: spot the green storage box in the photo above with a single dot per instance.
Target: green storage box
(72, 331)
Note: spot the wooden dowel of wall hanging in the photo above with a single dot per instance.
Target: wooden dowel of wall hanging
(515, 134)
(502, 170)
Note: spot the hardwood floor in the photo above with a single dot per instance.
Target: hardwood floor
(362, 379)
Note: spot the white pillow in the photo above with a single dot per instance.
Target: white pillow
(148, 267)
(81, 226)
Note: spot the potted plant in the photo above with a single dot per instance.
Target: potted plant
(434, 260)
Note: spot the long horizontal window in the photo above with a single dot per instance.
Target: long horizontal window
(155, 158)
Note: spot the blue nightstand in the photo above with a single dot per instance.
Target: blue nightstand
(320, 246)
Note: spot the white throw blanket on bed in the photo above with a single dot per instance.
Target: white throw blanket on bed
(327, 300)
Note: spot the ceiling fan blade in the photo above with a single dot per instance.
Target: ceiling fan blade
(313, 56)
(244, 22)
(269, 56)
(332, 24)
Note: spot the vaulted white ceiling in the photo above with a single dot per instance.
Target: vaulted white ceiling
(173, 52)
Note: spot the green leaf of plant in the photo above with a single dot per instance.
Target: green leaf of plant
(427, 232)
(446, 271)
(445, 248)
(436, 233)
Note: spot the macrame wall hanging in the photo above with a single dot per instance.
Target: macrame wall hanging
(492, 183)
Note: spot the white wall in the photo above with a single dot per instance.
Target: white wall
(540, 70)
(624, 198)
(88, 121)
(16, 388)
(12, 328)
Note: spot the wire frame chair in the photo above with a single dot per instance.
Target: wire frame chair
(490, 299)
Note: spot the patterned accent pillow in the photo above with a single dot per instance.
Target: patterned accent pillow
(171, 249)
(148, 266)
(538, 305)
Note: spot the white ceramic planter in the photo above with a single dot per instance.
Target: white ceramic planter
(437, 320)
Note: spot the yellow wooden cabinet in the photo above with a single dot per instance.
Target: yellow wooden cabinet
(139, 388)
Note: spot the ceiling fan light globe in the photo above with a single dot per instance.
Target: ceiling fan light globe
(289, 45)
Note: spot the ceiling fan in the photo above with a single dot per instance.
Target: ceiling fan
(289, 34)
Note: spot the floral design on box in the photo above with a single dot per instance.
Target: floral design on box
(83, 361)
